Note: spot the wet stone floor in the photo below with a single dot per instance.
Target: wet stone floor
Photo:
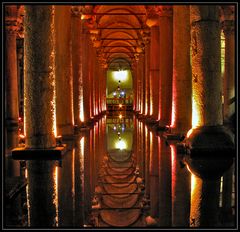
(119, 173)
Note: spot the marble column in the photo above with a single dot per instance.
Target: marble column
(206, 82)
(147, 79)
(154, 72)
(229, 67)
(11, 102)
(39, 83)
(77, 57)
(182, 79)
(63, 72)
(165, 54)
(85, 74)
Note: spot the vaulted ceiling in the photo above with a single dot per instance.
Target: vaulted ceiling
(118, 32)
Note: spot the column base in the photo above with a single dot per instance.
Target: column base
(151, 121)
(209, 151)
(22, 153)
(173, 136)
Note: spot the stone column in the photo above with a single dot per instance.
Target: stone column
(206, 83)
(77, 57)
(11, 102)
(39, 83)
(165, 64)
(85, 71)
(63, 72)
(208, 138)
(154, 72)
(229, 68)
(182, 80)
(147, 79)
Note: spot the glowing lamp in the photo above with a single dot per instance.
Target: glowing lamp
(120, 105)
(120, 75)
(114, 94)
(121, 145)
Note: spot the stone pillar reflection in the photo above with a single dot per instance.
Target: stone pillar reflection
(181, 190)
(165, 64)
(229, 67)
(204, 202)
(154, 177)
(39, 83)
(165, 183)
(206, 82)
(182, 79)
(43, 205)
(63, 72)
(11, 102)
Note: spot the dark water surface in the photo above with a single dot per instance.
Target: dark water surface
(119, 173)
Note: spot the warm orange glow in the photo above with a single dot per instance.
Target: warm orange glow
(173, 119)
(196, 121)
(73, 177)
(22, 136)
(120, 116)
(27, 196)
(173, 164)
(120, 105)
(189, 132)
(55, 199)
(81, 109)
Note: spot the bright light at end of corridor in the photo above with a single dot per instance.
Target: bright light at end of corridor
(121, 145)
(120, 75)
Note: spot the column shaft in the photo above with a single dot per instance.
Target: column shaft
(182, 80)
(154, 72)
(206, 82)
(39, 84)
(229, 67)
(63, 72)
(11, 67)
(165, 66)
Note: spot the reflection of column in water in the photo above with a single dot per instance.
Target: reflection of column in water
(42, 193)
(204, 202)
(165, 188)
(79, 183)
(181, 189)
(87, 182)
(227, 194)
(154, 176)
(65, 182)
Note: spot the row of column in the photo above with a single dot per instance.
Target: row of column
(177, 75)
(63, 81)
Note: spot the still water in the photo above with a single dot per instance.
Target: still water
(120, 173)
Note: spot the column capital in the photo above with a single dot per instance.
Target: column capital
(164, 11)
(228, 26)
(11, 26)
(152, 16)
(76, 11)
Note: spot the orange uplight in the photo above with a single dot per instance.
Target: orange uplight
(120, 105)
(120, 116)
(22, 136)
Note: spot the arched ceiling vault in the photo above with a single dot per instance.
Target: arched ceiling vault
(118, 30)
